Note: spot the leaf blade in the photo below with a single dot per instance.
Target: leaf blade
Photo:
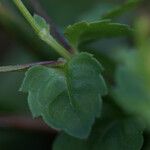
(85, 32)
(58, 103)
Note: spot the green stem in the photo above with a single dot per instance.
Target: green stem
(43, 35)
(27, 15)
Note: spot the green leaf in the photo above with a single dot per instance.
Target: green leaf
(41, 22)
(121, 135)
(68, 98)
(132, 89)
(118, 135)
(85, 32)
(131, 92)
(119, 10)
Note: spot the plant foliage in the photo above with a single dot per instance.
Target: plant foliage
(73, 95)
(63, 96)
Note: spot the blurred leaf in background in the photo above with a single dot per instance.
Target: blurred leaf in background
(132, 76)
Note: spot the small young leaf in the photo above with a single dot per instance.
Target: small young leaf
(85, 32)
(41, 23)
(119, 135)
(70, 98)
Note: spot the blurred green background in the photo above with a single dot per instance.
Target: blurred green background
(18, 45)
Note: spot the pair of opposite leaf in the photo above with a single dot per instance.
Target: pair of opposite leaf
(69, 98)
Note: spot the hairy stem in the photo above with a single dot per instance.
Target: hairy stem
(26, 66)
(54, 29)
